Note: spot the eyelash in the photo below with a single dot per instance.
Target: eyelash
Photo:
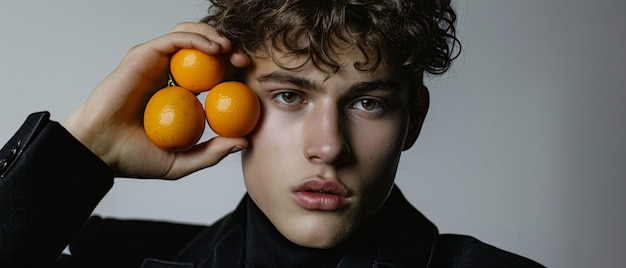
(380, 107)
(279, 97)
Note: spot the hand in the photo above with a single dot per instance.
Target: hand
(110, 121)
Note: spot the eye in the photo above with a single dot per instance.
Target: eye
(370, 105)
(288, 98)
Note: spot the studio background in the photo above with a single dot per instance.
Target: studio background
(523, 146)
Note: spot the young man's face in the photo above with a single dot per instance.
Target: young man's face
(324, 155)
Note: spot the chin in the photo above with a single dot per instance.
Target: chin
(318, 233)
(317, 242)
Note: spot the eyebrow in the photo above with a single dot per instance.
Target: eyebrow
(385, 85)
(285, 78)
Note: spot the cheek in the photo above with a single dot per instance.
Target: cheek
(380, 146)
(377, 153)
(270, 163)
(271, 149)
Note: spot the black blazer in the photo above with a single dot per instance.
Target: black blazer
(50, 184)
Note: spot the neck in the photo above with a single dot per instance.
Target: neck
(267, 247)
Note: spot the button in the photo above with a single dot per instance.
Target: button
(18, 143)
(4, 163)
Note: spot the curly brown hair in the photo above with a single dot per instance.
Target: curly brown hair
(417, 34)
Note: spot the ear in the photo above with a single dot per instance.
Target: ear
(419, 107)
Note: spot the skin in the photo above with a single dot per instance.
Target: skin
(318, 127)
(109, 122)
(329, 133)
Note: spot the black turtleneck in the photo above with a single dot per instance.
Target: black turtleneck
(266, 247)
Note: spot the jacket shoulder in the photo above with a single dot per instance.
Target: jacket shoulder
(455, 250)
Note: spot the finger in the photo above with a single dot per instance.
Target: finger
(239, 59)
(171, 42)
(236, 57)
(204, 155)
(148, 62)
(207, 31)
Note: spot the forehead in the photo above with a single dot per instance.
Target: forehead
(350, 63)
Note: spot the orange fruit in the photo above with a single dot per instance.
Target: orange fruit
(195, 70)
(174, 119)
(232, 109)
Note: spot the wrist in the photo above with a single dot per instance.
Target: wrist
(87, 136)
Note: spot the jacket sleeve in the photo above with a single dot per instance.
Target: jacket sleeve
(127, 243)
(49, 185)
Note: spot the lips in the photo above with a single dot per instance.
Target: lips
(317, 194)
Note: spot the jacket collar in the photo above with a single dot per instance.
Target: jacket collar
(404, 238)
(222, 244)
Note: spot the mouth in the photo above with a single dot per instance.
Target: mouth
(317, 194)
(319, 191)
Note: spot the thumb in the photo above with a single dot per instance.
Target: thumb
(204, 155)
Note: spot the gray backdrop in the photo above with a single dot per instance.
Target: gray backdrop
(523, 146)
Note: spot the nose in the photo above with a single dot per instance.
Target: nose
(325, 137)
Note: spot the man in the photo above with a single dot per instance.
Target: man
(340, 83)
